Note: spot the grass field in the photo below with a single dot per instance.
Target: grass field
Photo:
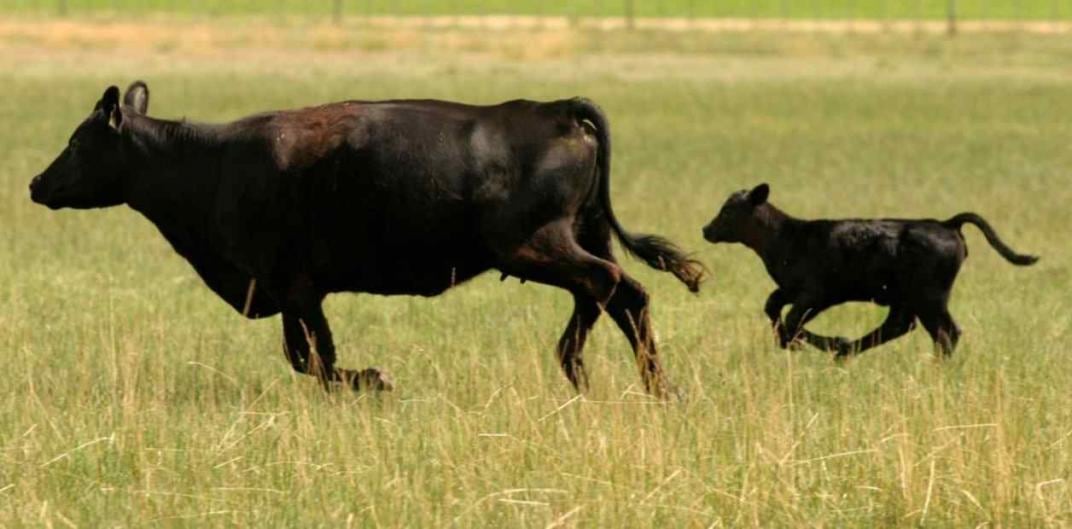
(133, 397)
(819, 9)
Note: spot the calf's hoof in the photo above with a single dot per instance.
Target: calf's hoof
(843, 349)
(785, 341)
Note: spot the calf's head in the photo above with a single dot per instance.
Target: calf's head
(90, 171)
(739, 216)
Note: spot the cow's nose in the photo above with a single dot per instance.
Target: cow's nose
(35, 188)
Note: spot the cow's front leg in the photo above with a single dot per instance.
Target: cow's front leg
(309, 347)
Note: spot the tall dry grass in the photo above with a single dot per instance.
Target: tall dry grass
(133, 397)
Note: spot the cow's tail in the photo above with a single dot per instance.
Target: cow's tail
(658, 252)
(991, 237)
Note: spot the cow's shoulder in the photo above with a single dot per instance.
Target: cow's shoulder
(300, 138)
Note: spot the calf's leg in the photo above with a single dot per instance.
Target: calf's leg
(804, 310)
(940, 325)
(820, 342)
(773, 308)
(776, 301)
(898, 322)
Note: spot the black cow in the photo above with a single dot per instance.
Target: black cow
(909, 265)
(276, 210)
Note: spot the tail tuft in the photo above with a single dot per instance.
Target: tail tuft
(661, 254)
(658, 252)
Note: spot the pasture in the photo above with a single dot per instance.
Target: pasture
(134, 397)
(810, 9)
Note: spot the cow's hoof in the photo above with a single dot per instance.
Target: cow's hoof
(372, 379)
(676, 394)
(665, 392)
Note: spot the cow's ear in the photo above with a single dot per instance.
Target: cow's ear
(109, 106)
(759, 194)
(137, 97)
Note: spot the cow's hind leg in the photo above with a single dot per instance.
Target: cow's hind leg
(552, 256)
(570, 346)
(309, 346)
(629, 309)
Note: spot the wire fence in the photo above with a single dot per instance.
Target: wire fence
(628, 10)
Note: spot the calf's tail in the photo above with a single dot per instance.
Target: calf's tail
(658, 252)
(991, 237)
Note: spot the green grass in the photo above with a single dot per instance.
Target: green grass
(820, 9)
(134, 397)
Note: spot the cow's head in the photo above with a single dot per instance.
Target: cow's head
(738, 216)
(90, 171)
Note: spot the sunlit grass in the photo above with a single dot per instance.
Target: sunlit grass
(801, 9)
(133, 397)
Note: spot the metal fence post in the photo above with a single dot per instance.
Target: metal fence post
(61, 7)
(951, 18)
(630, 14)
(336, 11)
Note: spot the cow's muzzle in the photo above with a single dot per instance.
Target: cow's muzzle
(35, 189)
(38, 192)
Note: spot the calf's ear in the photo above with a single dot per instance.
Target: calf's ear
(759, 194)
(137, 97)
(109, 105)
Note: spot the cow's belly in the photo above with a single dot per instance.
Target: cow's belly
(422, 269)
(410, 278)
(411, 230)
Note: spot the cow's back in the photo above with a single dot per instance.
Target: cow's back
(403, 196)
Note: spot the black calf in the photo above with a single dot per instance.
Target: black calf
(908, 265)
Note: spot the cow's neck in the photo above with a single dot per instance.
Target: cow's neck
(172, 177)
